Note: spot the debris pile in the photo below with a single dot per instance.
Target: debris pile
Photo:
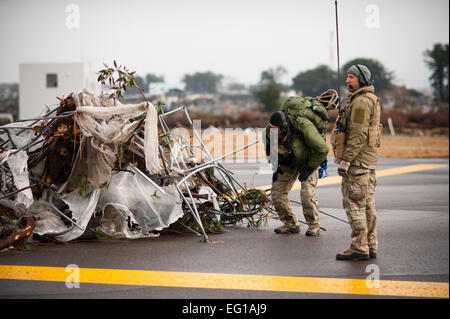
(95, 167)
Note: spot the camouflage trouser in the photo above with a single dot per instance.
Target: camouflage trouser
(358, 191)
(280, 191)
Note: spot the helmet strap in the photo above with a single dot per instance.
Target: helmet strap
(366, 82)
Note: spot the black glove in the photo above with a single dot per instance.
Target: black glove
(275, 175)
(305, 171)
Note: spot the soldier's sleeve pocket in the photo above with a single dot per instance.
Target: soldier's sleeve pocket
(375, 133)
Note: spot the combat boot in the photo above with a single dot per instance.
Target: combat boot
(372, 254)
(350, 255)
(312, 232)
(287, 229)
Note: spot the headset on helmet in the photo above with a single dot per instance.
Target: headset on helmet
(366, 81)
(330, 98)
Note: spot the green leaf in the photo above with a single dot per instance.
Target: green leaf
(156, 195)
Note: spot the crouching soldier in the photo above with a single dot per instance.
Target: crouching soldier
(300, 150)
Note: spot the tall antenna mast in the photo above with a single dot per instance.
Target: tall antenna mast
(337, 45)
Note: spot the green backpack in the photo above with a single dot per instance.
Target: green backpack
(299, 109)
(310, 118)
(302, 113)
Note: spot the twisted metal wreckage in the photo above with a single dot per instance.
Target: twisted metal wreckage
(95, 166)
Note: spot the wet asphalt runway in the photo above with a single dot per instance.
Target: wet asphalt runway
(413, 232)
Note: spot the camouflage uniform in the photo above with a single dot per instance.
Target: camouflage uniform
(310, 201)
(361, 123)
(280, 197)
(358, 192)
(302, 146)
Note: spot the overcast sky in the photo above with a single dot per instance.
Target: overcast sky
(236, 38)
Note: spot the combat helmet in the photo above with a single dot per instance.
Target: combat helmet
(329, 98)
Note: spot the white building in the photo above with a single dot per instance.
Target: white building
(41, 83)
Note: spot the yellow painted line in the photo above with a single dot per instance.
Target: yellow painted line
(229, 281)
(381, 173)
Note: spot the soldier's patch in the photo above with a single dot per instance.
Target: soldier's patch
(358, 116)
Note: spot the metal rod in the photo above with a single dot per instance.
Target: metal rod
(172, 111)
(198, 169)
(48, 113)
(194, 213)
(195, 232)
(62, 115)
(38, 180)
(320, 211)
(61, 232)
(17, 191)
(153, 183)
(15, 128)
(193, 210)
(215, 160)
(226, 155)
(337, 46)
(203, 145)
(61, 213)
(223, 172)
(36, 140)
(10, 138)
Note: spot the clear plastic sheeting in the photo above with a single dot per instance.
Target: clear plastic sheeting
(131, 206)
(19, 167)
(98, 168)
(110, 125)
(82, 208)
(93, 163)
(138, 207)
(47, 221)
(151, 141)
(140, 202)
(124, 204)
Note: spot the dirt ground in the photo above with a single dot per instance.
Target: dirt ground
(419, 147)
(219, 144)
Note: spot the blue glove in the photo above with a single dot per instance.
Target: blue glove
(323, 169)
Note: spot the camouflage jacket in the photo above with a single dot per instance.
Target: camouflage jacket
(362, 128)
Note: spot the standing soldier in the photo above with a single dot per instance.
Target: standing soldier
(355, 141)
(301, 150)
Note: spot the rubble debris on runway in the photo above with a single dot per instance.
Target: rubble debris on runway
(95, 167)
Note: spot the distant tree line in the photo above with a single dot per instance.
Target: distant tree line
(308, 83)
(437, 60)
(315, 81)
(202, 82)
